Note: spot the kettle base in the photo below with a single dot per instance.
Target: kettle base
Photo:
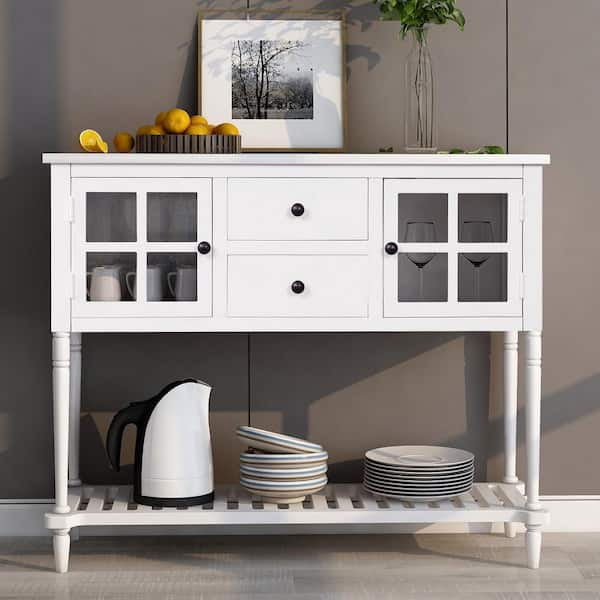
(174, 502)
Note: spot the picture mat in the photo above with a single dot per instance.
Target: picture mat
(325, 130)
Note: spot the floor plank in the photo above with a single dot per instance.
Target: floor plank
(426, 567)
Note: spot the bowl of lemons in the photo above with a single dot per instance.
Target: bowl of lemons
(177, 131)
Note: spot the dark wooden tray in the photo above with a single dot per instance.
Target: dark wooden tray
(188, 144)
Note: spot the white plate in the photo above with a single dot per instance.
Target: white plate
(412, 489)
(284, 486)
(421, 470)
(284, 461)
(409, 498)
(419, 456)
(275, 442)
(296, 474)
(407, 476)
(426, 485)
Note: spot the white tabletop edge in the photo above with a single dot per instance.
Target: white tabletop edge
(381, 159)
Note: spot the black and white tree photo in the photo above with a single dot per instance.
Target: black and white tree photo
(271, 80)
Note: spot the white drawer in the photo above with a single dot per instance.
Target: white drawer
(331, 209)
(261, 285)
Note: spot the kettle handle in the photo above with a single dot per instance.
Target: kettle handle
(134, 413)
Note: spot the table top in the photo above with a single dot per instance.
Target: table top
(381, 159)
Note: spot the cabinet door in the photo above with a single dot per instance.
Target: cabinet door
(142, 247)
(453, 248)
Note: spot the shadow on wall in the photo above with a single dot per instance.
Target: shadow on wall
(29, 125)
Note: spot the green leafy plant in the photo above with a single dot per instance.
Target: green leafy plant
(414, 15)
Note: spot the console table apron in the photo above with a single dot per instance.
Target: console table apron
(317, 243)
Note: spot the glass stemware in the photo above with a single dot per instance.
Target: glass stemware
(477, 232)
(420, 231)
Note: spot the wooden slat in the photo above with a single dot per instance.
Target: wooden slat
(96, 502)
(74, 498)
(510, 495)
(320, 501)
(122, 498)
(484, 495)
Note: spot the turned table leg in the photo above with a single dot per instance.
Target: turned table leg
(60, 388)
(533, 391)
(511, 367)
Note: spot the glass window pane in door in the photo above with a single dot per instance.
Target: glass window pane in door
(482, 277)
(111, 276)
(482, 217)
(172, 216)
(422, 277)
(422, 217)
(172, 277)
(110, 217)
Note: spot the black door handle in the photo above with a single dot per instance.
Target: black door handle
(391, 248)
(297, 287)
(297, 209)
(204, 247)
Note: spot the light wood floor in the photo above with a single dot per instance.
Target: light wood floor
(433, 567)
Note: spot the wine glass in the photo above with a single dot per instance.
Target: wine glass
(420, 231)
(482, 232)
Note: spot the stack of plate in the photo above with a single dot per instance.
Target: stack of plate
(418, 473)
(281, 468)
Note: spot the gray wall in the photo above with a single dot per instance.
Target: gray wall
(70, 64)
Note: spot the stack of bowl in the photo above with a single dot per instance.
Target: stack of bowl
(280, 468)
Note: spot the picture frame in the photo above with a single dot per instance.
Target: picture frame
(281, 80)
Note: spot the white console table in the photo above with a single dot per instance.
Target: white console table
(288, 242)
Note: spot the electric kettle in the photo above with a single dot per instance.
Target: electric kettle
(173, 455)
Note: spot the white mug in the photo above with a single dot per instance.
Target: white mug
(183, 283)
(154, 283)
(105, 283)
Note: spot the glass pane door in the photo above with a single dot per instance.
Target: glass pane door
(452, 248)
(142, 247)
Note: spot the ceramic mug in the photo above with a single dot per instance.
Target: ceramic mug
(154, 283)
(182, 283)
(104, 283)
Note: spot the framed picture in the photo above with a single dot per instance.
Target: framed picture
(281, 82)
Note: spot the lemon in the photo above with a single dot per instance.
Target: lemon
(197, 130)
(155, 130)
(160, 117)
(91, 141)
(199, 120)
(144, 129)
(211, 127)
(176, 121)
(123, 142)
(226, 129)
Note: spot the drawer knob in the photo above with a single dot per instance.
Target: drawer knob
(297, 209)
(297, 287)
(391, 248)
(204, 247)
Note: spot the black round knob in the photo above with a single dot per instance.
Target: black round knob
(391, 248)
(297, 287)
(204, 247)
(297, 209)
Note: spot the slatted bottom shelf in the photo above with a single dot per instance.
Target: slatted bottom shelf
(341, 504)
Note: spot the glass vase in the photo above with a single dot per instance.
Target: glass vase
(420, 126)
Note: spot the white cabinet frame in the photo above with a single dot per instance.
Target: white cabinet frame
(381, 177)
(81, 308)
(512, 247)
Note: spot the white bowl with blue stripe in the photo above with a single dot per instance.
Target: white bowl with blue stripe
(283, 461)
(297, 474)
(288, 492)
(270, 441)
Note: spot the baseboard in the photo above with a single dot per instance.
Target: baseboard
(568, 514)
